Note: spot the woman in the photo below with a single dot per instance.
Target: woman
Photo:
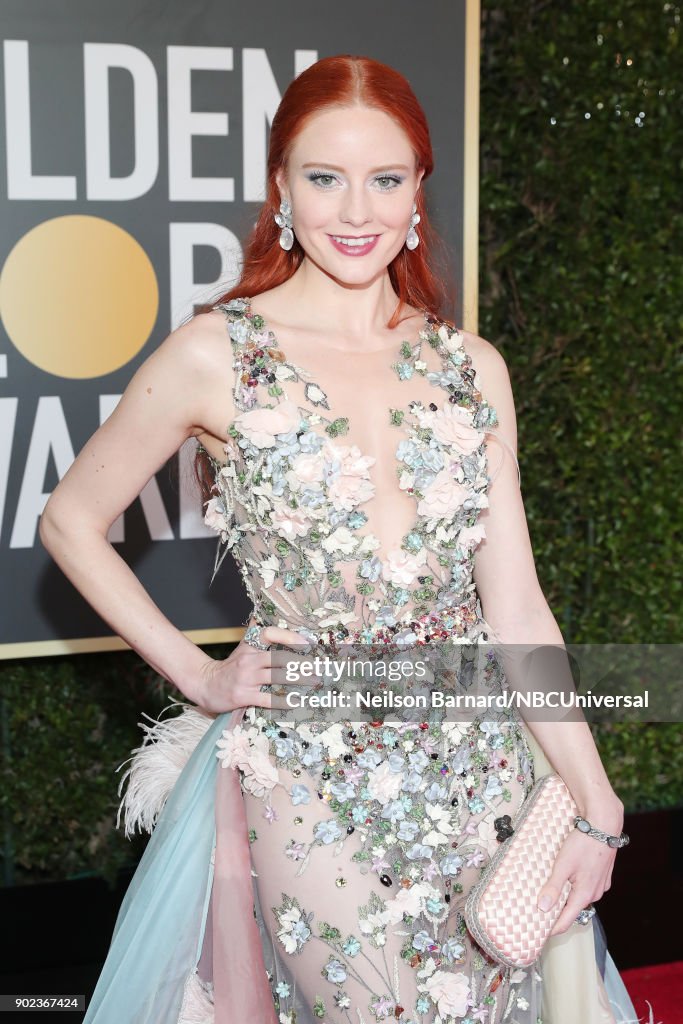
(332, 370)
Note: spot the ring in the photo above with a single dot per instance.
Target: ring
(252, 636)
(585, 915)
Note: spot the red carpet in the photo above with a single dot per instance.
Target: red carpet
(662, 987)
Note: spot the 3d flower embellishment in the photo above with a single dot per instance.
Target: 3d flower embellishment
(383, 784)
(215, 518)
(408, 901)
(442, 497)
(450, 337)
(290, 522)
(248, 750)
(261, 426)
(450, 992)
(307, 468)
(348, 474)
(402, 568)
(471, 536)
(451, 425)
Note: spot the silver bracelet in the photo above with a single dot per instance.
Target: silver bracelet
(614, 841)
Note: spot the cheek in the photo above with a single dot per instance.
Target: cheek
(396, 215)
(314, 211)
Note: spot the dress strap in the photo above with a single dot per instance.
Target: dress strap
(493, 432)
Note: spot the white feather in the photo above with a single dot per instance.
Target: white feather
(157, 764)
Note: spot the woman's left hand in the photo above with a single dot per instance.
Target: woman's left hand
(587, 863)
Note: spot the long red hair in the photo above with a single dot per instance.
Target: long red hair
(341, 81)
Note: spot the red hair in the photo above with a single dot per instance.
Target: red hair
(341, 81)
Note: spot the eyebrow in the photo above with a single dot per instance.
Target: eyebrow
(375, 170)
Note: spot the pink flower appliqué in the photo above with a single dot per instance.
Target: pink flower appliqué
(452, 426)
(383, 784)
(308, 469)
(470, 536)
(248, 750)
(260, 426)
(443, 497)
(214, 517)
(351, 486)
(290, 522)
(451, 993)
(402, 568)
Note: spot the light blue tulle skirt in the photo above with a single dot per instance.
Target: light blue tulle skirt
(159, 930)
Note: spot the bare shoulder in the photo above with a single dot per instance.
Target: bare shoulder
(207, 355)
(201, 341)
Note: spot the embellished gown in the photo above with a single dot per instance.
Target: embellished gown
(315, 868)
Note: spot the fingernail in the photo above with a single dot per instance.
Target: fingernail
(546, 901)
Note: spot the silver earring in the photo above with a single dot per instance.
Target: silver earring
(412, 238)
(283, 219)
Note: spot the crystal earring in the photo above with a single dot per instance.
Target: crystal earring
(412, 238)
(283, 219)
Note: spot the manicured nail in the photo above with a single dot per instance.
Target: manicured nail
(546, 901)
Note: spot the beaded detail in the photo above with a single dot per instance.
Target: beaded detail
(289, 502)
(387, 826)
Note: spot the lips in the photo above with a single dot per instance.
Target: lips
(354, 245)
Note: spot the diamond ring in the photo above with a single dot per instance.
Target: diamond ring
(252, 636)
(584, 916)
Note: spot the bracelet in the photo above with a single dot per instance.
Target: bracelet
(614, 841)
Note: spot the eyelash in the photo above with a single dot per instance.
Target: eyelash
(315, 176)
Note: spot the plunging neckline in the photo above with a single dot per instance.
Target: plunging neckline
(305, 375)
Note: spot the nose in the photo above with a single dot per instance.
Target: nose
(356, 207)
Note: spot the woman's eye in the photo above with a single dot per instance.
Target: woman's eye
(325, 180)
(388, 181)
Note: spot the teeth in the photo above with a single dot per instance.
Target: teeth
(354, 241)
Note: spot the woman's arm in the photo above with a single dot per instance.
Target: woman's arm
(173, 396)
(515, 607)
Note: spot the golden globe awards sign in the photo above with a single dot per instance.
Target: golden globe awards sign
(135, 141)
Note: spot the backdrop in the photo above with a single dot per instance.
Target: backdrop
(135, 140)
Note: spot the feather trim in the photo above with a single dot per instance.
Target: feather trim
(157, 764)
(197, 1006)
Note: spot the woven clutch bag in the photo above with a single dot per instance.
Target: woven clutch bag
(501, 910)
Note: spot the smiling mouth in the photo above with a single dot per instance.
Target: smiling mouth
(353, 241)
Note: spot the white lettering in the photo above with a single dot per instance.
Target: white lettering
(22, 183)
(184, 123)
(98, 59)
(50, 436)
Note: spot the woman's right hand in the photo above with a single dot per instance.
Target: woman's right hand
(236, 681)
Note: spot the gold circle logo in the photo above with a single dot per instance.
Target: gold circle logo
(79, 296)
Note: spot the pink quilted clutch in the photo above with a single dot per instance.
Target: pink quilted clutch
(501, 910)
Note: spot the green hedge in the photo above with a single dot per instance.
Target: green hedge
(581, 277)
(582, 291)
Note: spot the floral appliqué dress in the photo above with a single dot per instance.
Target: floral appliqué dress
(344, 850)
(367, 839)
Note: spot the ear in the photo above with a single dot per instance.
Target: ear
(281, 182)
(420, 175)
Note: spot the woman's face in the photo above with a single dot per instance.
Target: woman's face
(351, 176)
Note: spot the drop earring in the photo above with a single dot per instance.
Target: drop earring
(412, 238)
(283, 219)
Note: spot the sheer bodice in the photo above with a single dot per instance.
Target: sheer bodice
(352, 486)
